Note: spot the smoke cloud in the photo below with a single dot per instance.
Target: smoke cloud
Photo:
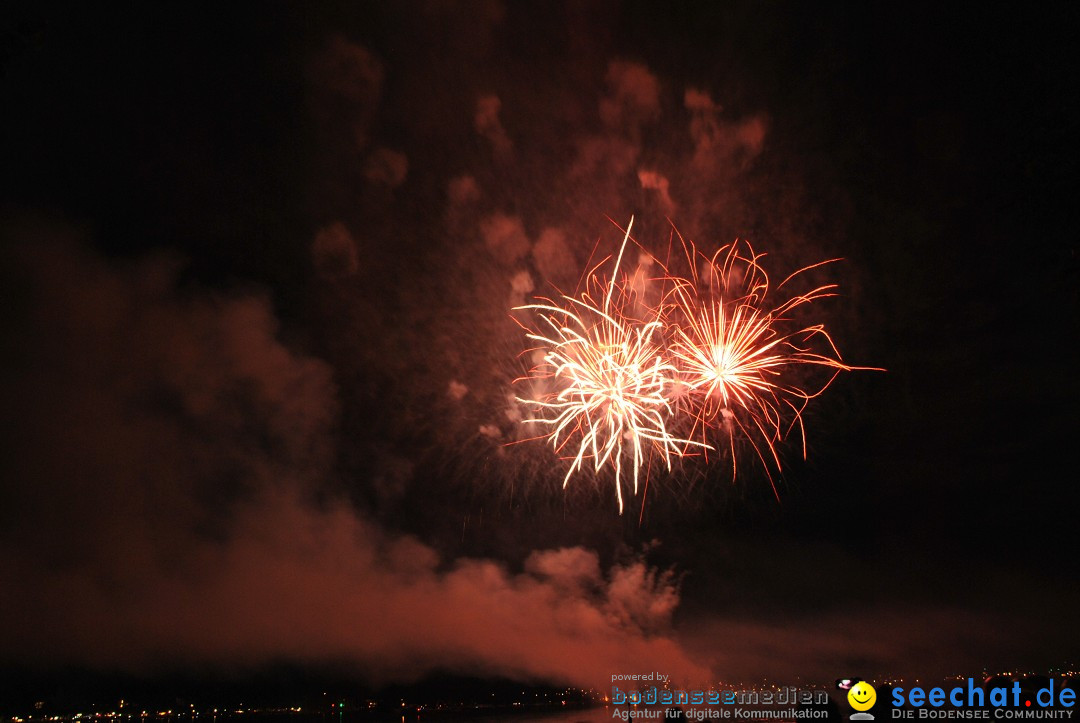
(173, 507)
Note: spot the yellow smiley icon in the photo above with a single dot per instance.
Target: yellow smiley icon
(862, 696)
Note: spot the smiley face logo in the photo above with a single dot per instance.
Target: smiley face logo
(862, 696)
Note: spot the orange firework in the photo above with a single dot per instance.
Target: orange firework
(736, 351)
(624, 382)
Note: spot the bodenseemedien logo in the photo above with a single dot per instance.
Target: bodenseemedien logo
(862, 697)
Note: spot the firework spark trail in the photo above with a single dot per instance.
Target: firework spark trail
(714, 355)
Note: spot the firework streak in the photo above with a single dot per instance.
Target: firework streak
(625, 381)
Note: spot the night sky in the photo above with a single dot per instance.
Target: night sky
(257, 269)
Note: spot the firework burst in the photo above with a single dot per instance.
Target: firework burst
(610, 379)
(737, 353)
(622, 383)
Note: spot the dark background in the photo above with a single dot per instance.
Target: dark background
(930, 147)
